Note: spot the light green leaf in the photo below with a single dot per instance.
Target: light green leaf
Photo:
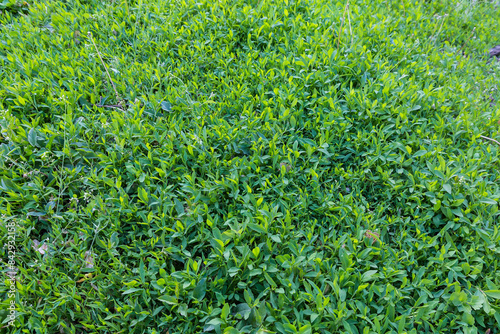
(257, 228)
(495, 294)
(168, 299)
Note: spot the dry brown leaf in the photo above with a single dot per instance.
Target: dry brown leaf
(85, 277)
(89, 260)
(287, 166)
(40, 249)
(76, 36)
(69, 242)
(372, 235)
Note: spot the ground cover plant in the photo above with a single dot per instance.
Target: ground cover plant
(300, 166)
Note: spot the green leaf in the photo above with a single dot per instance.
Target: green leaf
(243, 309)
(491, 285)
(468, 318)
(178, 207)
(225, 312)
(369, 275)
(200, 289)
(32, 137)
(306, 329)
(488, 201)
(132, 290)
(495, 294)
(215, 322)
(419, 153)
(166, 106)
(344, 258)
(168, 299)
(447, 188)
(143, 195)
(350, 328)
(142, 272)
(402, 324)
(256, 252)
(257, 228)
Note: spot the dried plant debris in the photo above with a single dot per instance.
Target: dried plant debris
(495, 52)
(89, 259)
(40, 247)
(373, 236)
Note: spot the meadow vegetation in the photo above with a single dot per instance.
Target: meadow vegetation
(250, 166)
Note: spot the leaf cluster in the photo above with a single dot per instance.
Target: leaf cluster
(272, 170)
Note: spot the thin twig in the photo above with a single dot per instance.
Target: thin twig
(349, 20)
(490, 139)
(61, 179)
(434, 36)
(126, 7)
(468, 39)
(120, 100)
(342, 24)
(116, 106)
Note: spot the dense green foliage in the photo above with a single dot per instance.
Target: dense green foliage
(291, 167)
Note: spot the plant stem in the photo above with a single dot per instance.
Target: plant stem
(119, 99)
(342, 24)
(490, 139)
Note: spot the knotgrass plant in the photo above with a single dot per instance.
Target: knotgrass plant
(251, 166)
